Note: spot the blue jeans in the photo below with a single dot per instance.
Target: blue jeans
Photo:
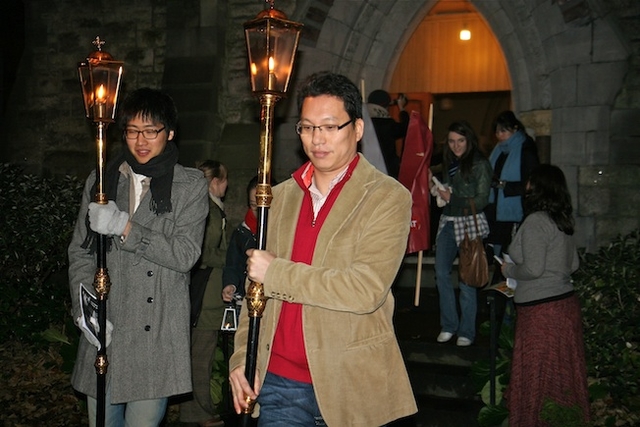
(465, 325)
(287, 403)
(140, 413)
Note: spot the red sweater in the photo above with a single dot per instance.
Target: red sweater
(288, 354)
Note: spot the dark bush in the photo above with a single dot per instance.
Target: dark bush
(38, 216)
(608, 283)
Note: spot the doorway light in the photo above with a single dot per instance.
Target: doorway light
(465, 34)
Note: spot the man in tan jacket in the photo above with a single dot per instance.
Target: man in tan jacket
(327, 352)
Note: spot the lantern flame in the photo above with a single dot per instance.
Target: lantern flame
(100, 94)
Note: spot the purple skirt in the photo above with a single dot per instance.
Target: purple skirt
(548, 361)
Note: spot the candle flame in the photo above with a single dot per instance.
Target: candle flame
(254, 69)
(271, 64)
(100, 94)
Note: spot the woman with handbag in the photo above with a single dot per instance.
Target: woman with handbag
(467, 180)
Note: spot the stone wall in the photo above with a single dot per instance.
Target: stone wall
(575, 74)
(45, 128)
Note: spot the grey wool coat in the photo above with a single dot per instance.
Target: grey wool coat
(148, 303)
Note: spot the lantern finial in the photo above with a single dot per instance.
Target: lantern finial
(99, 54)
(98, 43)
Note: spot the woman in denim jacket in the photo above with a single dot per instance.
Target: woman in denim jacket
(466, 176)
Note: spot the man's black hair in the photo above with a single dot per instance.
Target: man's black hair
(332, 84)
(150, 104)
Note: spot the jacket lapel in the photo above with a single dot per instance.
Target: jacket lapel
(283, 232)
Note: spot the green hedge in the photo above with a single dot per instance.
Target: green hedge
(38, 216)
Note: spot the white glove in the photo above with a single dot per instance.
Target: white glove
(107, 219)
(434, 191)
(90, 337)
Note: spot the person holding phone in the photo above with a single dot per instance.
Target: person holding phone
(548, 356)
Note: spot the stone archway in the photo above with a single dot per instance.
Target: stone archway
(377, 34)
(566, 68)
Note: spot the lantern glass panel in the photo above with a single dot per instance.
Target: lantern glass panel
(100, 82)
(272, 45)
(85, 83)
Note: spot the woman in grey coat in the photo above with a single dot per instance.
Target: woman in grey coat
(548, 361)
(155, 239)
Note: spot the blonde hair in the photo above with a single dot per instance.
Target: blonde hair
(212, 169)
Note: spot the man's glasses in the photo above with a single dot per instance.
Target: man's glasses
(147, 133)
(307, 130)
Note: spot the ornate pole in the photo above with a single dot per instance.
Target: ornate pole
(100, 78)
(101, 283)
(272, 42)
(255, 292)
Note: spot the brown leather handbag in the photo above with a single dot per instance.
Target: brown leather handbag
(473, 268)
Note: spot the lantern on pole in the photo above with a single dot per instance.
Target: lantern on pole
(100, 76)
(272, 42)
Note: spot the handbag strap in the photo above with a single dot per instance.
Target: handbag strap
(475, 217)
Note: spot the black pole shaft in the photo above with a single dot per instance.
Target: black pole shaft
(254, 322)
(492, 347)
(101, 283)
(102, 323)
(251, 365)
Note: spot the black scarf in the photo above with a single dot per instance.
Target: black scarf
(160, 169)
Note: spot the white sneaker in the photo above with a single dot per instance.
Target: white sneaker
(445, 336)
(463, 342)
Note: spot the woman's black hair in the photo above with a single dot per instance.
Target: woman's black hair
(548, 192)
(463, 128)
(507, 120)
(253, 183)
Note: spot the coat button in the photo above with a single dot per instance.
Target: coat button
(147, 328)
(149, 273)
(150, 300)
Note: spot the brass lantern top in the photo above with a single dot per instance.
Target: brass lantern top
(272, 12)
(99, 54)
(100, 76)
(272, 42)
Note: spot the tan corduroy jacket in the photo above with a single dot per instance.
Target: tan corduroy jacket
(356, 366)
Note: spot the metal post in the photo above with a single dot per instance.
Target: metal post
(493, 343)
(101, 283)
